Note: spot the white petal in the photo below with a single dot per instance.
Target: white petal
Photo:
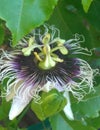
(20, 101)
(67, 109)
(17, 107)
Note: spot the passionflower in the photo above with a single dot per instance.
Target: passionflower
(43, 61)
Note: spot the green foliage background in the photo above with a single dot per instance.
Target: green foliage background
(19, 17)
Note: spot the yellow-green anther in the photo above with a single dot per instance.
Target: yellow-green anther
(61, 46)
(63, 50)
(57, 59)
(27, 51)
(46, 39)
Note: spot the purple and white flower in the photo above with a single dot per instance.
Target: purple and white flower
(41, 62)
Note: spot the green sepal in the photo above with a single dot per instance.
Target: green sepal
(50, 103)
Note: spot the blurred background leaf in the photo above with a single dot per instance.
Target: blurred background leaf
(89, 107)
(59, 122)
(2, 128)
(70, 18)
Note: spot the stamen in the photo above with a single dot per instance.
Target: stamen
(37, 56)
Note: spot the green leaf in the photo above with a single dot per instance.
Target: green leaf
(50, 103)
(86, 4)
(58, 122)
(22, 16)
(89, 107)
